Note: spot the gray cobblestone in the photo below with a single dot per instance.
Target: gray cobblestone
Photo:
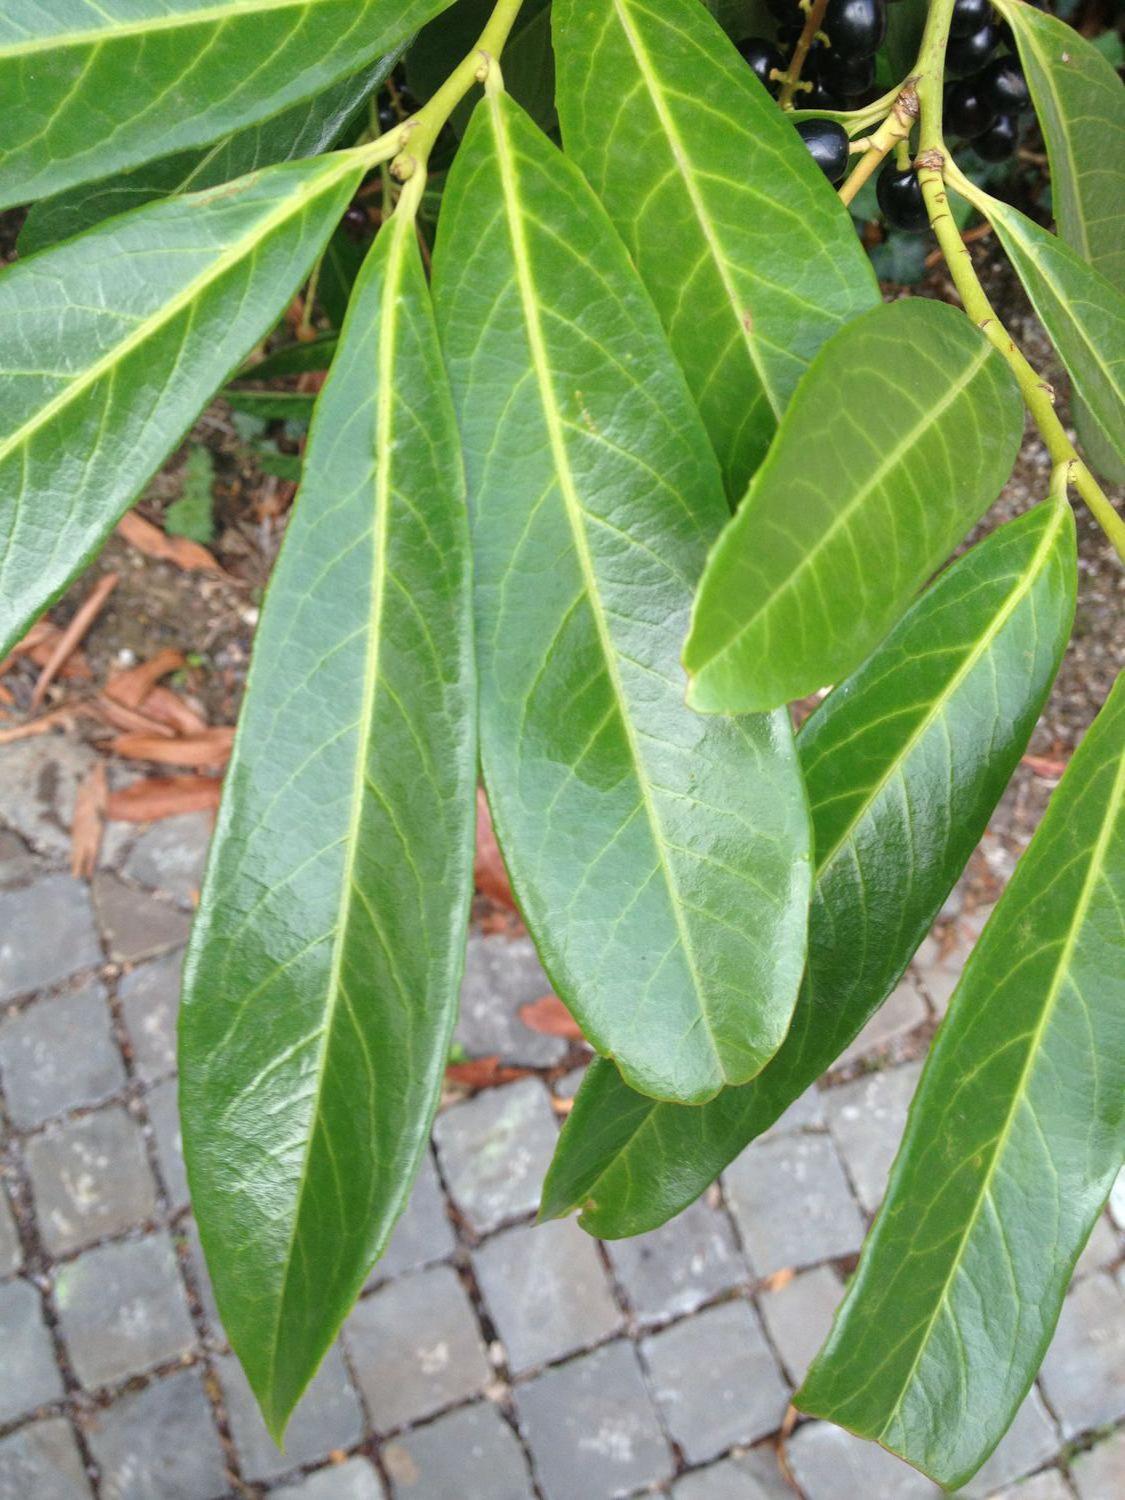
(416, 1348)
(28, 1375)
(675, 1269)
(89, 1178)
(805, 1113)
(1099, 1473)
(501, 974)
(799, 1315)
(159, 1443)
(792, 1203)
(902, 1011)
(715, 1380)
(1083, 1376)
(327, 1417)
(17, 863)
(1029, 1442)
(11, 1252)
(1117, 1200)
(568, 1085)
(1100, 1250)
(831, 1464)
(42, 1462)
(744, 1476)
(122, 1309)
(150, 1001)
(867, 1119)
(423, 1235)
(171, 854)
(202, 1278)
(38, 780)
(547, 1291)
(1049, 1485)
(58, 905)
(592, 1428)
(59, 1053)
(355, 1479)
(469, 1453)
(163, 1107)
(495, 1150)
(134, 924)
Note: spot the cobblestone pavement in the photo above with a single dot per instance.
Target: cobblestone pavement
(487, 1360)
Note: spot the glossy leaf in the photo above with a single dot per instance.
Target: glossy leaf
(1014, 1138)
(293, 359)
(904, 763)
(661, 860)
(747, 251)
(285, 406)
(1083, 314)
(302, 130)
(321, 983)
(111, 343)
(89, 87)
(897, 440)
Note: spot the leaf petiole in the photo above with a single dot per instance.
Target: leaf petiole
(895, 129)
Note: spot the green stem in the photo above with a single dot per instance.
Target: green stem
(935, 170)
(305, 329)
(894, 130)
(814, 16)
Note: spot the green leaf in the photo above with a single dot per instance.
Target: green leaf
(900, 792)
(89, 88)
(191, 515)
(321, 984)
(661, 860)
(293, 359)
(1014, 1138)
(897, 440)
(1083, 314)
(305, 129)
(285, 406)
(111, 343)
(343, 257)
(746, 250)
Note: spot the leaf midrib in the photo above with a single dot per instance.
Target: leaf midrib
(541, 365)
(179, 20)
(928, 420)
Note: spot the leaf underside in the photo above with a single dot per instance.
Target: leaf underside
(900, 793)
(748, 253)
(661, 860)
(855, 506)
(321, 983)
(1013, 1142)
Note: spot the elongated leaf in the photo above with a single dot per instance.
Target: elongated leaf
(89, 87)
(896, 441)
(1082, 313)
(111, 343)
(293, 359)
(748, 253)
(661, 860)
(288, 406)
(302, 130)
(321, 983)
(904, 763)
(1014, 1138)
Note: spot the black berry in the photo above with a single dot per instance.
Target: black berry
(967, 112)
(846, 76)
(763, 57)
(388, 117)
(817, 98)
(998, 142)
(855, 28)
(900, 197)
(969, 16)
(1003, 85)
(827, 143)
(965, 54)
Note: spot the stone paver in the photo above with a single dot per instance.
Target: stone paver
(38, 780)
(159, 1443)
(1099, 1473)
(163, 1107)
(354, 1479)
(568, 1085)
(28, 1374)
(134, 924)
(57, 1054)
(547, 1291)
(902, 1011)
(57, 905)
(122, 1309)
(11, 1253)
(171, 854)
(416, 1348)
(150, 998)
(1083, 1376)
(90, 1178)
(1027, 1445)
(792, 1203)
(831, 1464)
(677, 1268)
(495, 1150)
(501, 974)
(867, 1118)
(17, 863)
(1049, 1485)
(327, 1417)
(471, 1452)
(41, 1462)
(423, 1235)
(1100, 1249)
(202, 1278)
(1117, 1200)
(715, 1380)
(798, 1316)
(805, 1113)
(744, 1476)
(592, 1428)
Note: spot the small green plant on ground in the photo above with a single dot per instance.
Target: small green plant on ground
(639, 459)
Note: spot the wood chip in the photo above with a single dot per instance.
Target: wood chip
(89, 823)
(550, 1017)
(73, 633)
(128, 720)
(169, 708)
(489, 874)
(153, 542)
(210, 750)
(132, 685)
(163, 797)
(483, 1073)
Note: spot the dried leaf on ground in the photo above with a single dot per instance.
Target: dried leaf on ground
(88, 823)
(177, 550)
(551, 1017)
(128, 720)
(87, 613)
(170, 709)
(64, 716)
(211, 749)
(483, 1073)
(133, 685)
(488, 866)
(163, 797)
